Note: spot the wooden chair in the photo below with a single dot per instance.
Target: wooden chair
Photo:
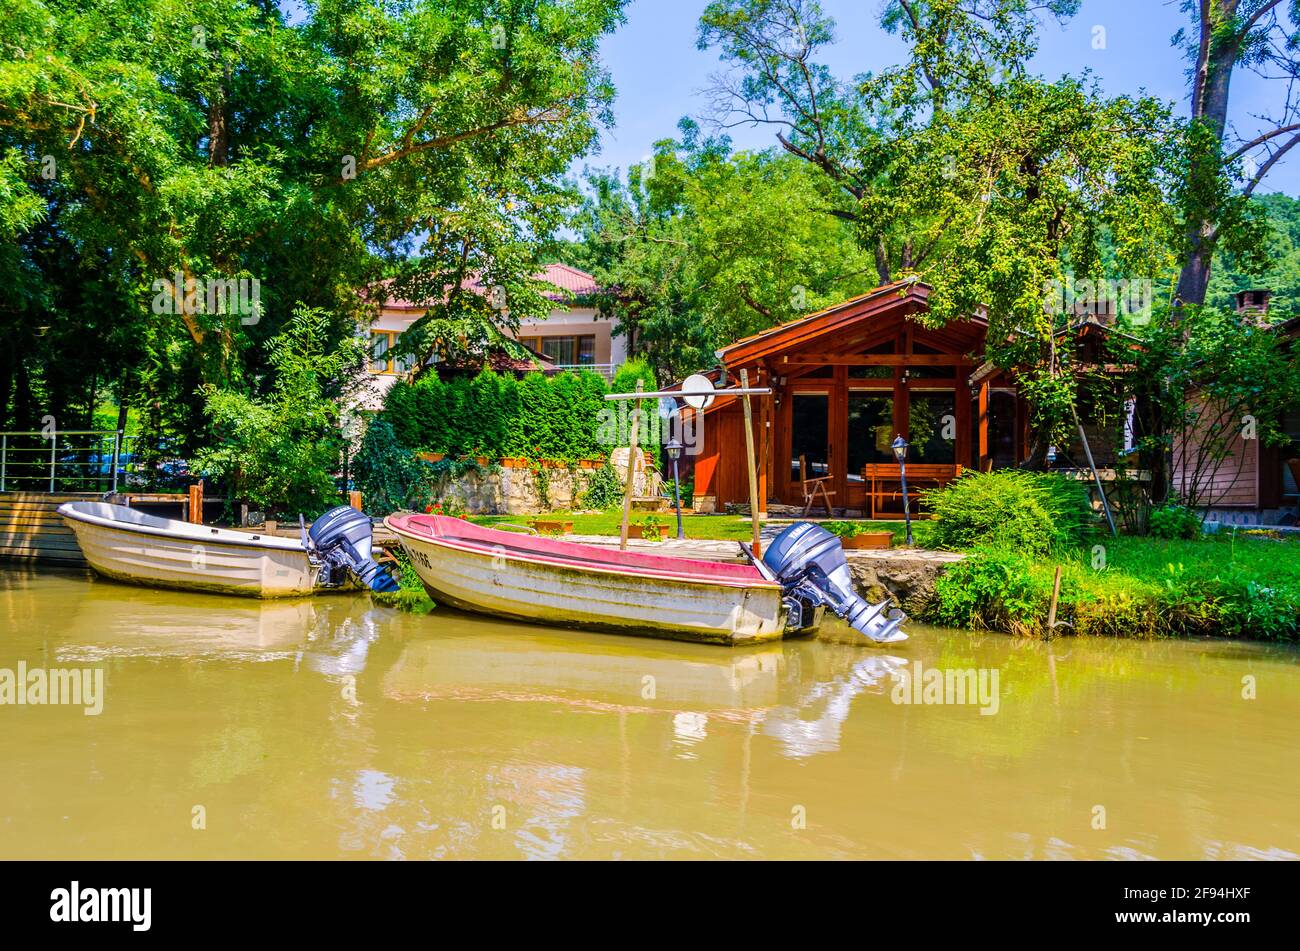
(812, 488)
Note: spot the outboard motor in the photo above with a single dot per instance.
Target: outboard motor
(809, 563)
(340, 539)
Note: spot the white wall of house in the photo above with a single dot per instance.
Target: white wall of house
(605, 351)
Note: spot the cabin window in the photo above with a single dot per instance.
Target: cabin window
(871, 430)
(1002, 429)
(380, 344)
(578, 350)
(932, 425)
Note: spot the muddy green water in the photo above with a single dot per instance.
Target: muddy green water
(333, 728)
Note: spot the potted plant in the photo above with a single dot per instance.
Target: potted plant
(651, 528)
(431, 456)
(859, 535)
(514, 462)
(552, 526)
(591, 462)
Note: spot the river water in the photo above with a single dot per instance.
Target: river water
(334, 728)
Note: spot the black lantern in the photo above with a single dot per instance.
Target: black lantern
(674, 450)
(899, 445)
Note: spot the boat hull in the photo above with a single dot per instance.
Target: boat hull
(163, 553)
(502, 582)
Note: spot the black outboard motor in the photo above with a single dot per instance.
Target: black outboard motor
(809, 563)
(340, 539)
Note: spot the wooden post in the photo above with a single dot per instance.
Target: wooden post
(751, 464)
(633, 451)
(1101, 489)
(196, 504)
(354, 498)
(985, 462)
(1056, 595)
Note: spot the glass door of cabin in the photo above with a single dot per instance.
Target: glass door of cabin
(809, 440)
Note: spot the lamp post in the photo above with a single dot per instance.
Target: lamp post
(674, 450)
(899, 445)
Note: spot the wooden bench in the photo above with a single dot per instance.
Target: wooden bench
(882, 484)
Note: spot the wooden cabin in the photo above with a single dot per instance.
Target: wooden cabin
(1256, 484)
(846, 381)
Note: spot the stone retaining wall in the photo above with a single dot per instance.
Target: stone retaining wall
(500, 491)
(905, 577)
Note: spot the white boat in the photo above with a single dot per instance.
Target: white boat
(127, 545)
(542, 580)
(547, 581)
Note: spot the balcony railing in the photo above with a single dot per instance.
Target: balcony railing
(607, 370)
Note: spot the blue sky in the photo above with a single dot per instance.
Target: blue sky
(660, 74)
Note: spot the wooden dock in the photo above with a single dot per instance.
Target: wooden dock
(31, 528)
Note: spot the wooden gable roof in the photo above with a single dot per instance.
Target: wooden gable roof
(853, 325)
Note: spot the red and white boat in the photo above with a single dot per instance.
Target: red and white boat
(543, 580)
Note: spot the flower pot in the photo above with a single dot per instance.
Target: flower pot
(514, 462)
(589, 463)
(654, 534)
(869, 540)
(553, 464)
(431, 456)
(550, 526)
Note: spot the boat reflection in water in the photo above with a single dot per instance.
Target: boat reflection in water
(460, 657)
(801, 704)
(110, 620)
(117, 620)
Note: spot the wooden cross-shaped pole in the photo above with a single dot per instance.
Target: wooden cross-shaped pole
(753, 469)
(634, 427)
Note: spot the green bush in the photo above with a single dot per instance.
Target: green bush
(1174, 521)
(991, 588)
(386, 470)
(494, 415)
(635, 369)
(604, 489)
(1019, 511)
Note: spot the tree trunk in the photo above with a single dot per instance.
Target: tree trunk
(1211, 82)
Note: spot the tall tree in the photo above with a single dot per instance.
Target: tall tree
(1224, 165)
(958, 51)
(213, 139)
(701, 247)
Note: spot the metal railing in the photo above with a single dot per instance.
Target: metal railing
(74, 460)
(607, 370)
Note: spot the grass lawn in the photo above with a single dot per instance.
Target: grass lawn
(721, 527)
(1217, 585)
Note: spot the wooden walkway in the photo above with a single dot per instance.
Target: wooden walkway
(31, 529)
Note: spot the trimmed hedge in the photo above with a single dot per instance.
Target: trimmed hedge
(498, 416)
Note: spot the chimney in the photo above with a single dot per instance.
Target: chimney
(1252, 305)
(1101, 309)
